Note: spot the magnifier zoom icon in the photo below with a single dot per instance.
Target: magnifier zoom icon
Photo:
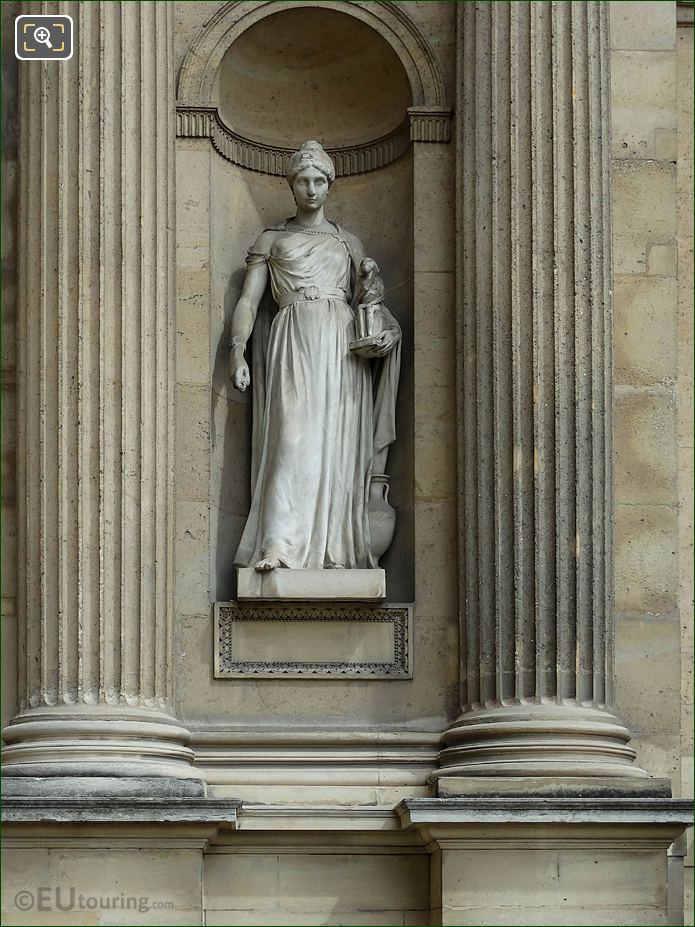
(42, 35)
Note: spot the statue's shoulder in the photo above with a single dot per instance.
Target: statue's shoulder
(266, 239)
(354, 244)
(278, 227)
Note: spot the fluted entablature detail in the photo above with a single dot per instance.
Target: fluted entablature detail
(535, 394)
(95, 381)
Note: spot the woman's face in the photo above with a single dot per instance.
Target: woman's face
(310, 188)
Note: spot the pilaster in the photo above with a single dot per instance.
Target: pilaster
(535, 396)
(95, 387)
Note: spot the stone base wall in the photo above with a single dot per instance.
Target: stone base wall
(487, 874)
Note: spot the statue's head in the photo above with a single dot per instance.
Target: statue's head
(368, 267)
(311, 154)
(310, 173)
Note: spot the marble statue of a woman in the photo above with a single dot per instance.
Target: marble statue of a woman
(324, 416)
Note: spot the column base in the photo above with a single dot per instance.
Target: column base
(538, 741)
(87, 743)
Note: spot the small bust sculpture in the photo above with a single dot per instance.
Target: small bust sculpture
(369, 294)
(323, 416)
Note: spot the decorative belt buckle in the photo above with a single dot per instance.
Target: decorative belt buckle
(311, 292)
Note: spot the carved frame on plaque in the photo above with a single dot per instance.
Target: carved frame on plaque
(392, 622)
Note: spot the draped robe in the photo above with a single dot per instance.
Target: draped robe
(320, 412)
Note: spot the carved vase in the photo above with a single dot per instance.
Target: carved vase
(382, 516)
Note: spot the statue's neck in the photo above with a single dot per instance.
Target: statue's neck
(310, 219)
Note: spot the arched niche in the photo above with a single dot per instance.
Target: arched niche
(231, 158)
(309, 72)
(199, 71)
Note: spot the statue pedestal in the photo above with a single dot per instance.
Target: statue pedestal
(311, 585)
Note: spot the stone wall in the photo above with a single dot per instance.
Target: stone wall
(686, 474)
(653, 370)
(305, 884)
(652, 104)
(645, 380)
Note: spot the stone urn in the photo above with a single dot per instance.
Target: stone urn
(382, 516)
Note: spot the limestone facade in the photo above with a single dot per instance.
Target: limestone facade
(528, 181)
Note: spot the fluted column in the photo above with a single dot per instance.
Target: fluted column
(535, 395)
(95, 369)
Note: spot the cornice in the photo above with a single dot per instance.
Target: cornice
(422, 124)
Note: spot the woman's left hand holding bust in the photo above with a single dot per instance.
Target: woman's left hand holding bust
(385, 343)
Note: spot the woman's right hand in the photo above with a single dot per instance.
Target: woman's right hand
(241, 378)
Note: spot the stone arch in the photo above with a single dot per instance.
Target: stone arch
(196, 82)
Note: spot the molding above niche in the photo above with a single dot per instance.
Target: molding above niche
(429, 124)
(200, 110)
(422, 124)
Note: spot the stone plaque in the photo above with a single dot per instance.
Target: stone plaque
(312, 641)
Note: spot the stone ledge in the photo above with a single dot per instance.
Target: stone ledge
(111, 787)
(311, 585)
(684, 12)
(112, 800)
(132, 810)
(536, 810)
(549, 787)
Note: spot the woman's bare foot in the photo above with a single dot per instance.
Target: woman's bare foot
(267, 564)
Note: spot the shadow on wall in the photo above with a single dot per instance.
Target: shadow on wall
(234, 439)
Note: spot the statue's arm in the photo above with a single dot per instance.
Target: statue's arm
(390, 321)
(356, 254)
(245, 311)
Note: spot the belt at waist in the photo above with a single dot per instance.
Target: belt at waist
(309, 293)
